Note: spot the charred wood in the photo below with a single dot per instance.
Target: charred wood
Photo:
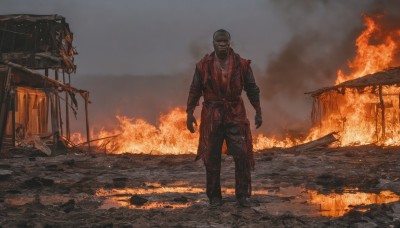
(321, 142)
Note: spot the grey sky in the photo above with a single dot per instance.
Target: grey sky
(159, 37)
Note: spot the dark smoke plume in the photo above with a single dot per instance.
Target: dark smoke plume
(323, 39)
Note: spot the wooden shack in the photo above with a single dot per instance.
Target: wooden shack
(36, 63)
(364, 110)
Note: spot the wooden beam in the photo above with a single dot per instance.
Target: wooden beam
(87, 119)
(382, 105)
(318, 143)
(50, 81)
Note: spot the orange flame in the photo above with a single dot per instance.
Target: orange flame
(357, 115)
(376, 50)
(170, 136)
(138, 136)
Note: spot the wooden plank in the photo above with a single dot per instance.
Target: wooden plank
(321, 142)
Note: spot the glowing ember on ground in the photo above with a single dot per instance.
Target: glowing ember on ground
(167, 189)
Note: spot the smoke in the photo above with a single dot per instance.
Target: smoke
(388, 13)
(322, 41)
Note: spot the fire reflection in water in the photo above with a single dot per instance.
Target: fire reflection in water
(159, 196)
(296, 200)
(336, 204)
(332, 205)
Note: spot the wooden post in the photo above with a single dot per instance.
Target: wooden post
(87, 119)
(60, 121)
(5, 106)
(376, 123)
(56, 113)
(53, 120)
(13, 93)
(58, 107)
(67, 132)
(382, 104)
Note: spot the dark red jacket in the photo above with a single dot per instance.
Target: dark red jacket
(222, 108)
(206, 84)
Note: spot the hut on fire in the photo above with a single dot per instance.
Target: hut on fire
(364, 110)
(36, 61)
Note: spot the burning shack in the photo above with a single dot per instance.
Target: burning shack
(36, 61)
(364, 110)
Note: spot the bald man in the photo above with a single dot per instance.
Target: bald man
(220, 78)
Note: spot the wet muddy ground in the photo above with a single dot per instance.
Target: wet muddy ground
(331, 187)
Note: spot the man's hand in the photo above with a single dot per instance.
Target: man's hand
(189, 122)
(258, 119)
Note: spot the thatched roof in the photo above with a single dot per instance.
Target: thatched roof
(30, 17)
(387, 77)
(37, 41)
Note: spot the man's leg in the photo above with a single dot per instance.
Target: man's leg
(213, 169)
(238, 147)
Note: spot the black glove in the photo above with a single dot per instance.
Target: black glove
(258, 119)
(189, 122)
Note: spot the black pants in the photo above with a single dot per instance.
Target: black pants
(237, 142)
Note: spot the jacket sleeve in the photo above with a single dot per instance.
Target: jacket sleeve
(195, 92)
(251, 88)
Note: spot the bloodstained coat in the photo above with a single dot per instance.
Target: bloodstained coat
(223, 117)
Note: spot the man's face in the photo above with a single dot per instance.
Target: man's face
(221, 43)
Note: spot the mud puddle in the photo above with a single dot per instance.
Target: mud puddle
(298, 201)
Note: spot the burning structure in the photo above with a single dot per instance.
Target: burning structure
(364, 106)
(365, 110)
(31, 100)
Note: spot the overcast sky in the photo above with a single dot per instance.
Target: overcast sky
(158, 37)
(144, 37)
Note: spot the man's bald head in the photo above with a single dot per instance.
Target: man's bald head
(221, 43)
(222, 32)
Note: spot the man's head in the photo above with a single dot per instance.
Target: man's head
(221, 42)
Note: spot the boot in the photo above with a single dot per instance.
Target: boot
(243, 202)
(215, 202)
